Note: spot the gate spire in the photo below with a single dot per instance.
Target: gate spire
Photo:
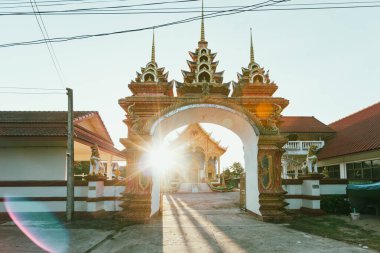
(252, 55)
(153, 57)
(202, 26)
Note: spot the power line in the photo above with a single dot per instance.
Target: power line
(120, 6)
(49, 46)
(32, 93)
(132, 9)
(255, 7)
(29, 88)
(65, 2)
(218, 13)
(188, 12)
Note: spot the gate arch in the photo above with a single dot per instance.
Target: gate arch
(239, 123)
(261, 146)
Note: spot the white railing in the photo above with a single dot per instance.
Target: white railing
(302, 145)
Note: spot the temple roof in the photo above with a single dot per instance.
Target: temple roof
(37, 125)
(194, 135)
(303, 124)
(358, 132)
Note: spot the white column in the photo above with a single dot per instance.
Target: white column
(109, 167)
(219, 168)
(285, 169)
(343, 172)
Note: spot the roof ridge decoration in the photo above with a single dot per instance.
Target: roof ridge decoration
(202, 79)
(153, 57)
(152, 80)
(252, 55)
(254, 80)
(202, 26)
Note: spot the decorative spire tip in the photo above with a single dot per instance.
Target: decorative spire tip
(202, 26)
(153, 57)
(252, 55)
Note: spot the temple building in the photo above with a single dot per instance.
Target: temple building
(198, 156)
(353, 152)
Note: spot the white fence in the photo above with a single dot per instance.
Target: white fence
(301, 147)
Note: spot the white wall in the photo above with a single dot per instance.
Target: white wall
(32, 163)
(293, 189)
(57, 191)
(156, 189)
(223, 116)
(329, 189)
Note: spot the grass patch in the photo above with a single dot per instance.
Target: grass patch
(337, 229)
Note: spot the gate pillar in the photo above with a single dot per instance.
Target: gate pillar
(272, 195)
(138, 193)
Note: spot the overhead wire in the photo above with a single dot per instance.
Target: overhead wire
(49, 45)
(120, 8)
(255, 7)
(29, 88)
(215, 14)
(27, 93)
(65, 1)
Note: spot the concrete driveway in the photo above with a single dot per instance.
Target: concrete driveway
(211, 222)
(194, 223)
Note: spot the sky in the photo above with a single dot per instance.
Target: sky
(325, 62)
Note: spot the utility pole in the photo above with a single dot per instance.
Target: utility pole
(70, 158)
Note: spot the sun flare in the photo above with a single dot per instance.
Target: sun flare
(163, 158)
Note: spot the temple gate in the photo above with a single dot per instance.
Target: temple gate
(250, 111)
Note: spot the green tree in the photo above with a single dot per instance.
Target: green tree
(226, 173)
(235, 169)
(82, 167)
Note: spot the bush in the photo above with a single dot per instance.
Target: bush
(335, 204)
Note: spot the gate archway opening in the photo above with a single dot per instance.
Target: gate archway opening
(219, 115)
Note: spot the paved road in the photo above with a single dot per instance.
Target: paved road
(194, 223)
(211, 222)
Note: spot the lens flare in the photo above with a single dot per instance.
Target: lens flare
(163, 158)
(40, 226)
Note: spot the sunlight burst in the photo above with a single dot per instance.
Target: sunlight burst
(163, 158)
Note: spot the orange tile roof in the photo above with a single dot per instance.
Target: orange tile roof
(45, 124)
(358, 132)
(303, 124)
(40, 116)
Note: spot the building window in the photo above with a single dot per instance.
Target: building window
(369, 170)
(334, 170)
(376, 169)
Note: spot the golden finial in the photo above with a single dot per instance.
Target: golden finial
(202, 26)
(252, 56)
(153, 58)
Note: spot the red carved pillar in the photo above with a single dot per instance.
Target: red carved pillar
(138, 193)
(272, 195)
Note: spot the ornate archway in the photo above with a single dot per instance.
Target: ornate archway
(250, 111)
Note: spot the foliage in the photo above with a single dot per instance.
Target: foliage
(226, 174)
(221, 188)
(233, 171)
(82, 167)
(335, 204)
(338, 228)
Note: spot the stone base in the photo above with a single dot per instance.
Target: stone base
(313, 176)
(96, 178)
(312, 212)
(272, 207)
(136, 207)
